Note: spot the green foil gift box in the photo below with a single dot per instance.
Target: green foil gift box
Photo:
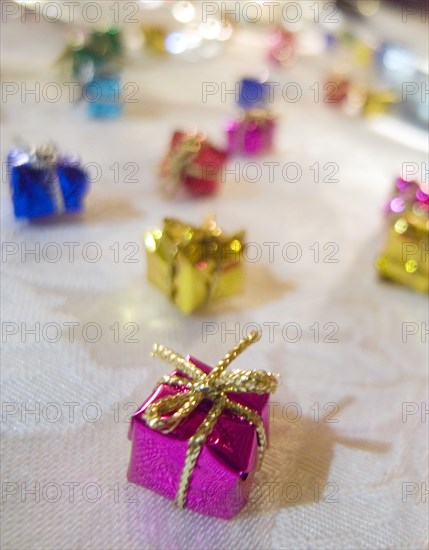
(194, 265)
(98, 53)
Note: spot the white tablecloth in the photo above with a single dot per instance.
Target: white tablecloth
(345, 468)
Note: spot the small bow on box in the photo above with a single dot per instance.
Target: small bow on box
(167, 413)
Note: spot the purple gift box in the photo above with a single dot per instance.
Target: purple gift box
(252, 134)
(223, 475)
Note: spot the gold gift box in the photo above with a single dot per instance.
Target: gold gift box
(154, 39)
(194, 265)
(405, 259)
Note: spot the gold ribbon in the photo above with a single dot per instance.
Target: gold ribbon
(207, 243)
(257, 116)
(45, 157)
(179, 161)
(168, 412)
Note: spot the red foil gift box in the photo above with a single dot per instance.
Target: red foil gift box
(222, 476)
(336, 88)
(193, 164)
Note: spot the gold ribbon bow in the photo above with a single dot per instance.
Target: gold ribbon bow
(44, 156)
(166, 414)
(179, 161)
(257, 116)
(207, 242)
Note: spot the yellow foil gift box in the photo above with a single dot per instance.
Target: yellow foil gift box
(405, 259)
(194, 265)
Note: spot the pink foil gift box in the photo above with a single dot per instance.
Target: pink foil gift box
(282, 47)
(252, 134)
(222, 477)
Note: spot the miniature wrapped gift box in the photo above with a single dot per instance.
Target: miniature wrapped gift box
(194, 265)
(96, 62)
(282, 47)
(193, 164)
(405, 259)
(201, 434)
(252, 134)
(103, 96)
(43, 183)
(254, 94)
(154, 39)
(336, 88)
(99, 53)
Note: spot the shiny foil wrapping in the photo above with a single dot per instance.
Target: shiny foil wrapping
(222, 478)
(100, 53)
(44, 187)
(254, 94)
(336, 89)
(252, 134)
(154, 39)
(405, 258)
(103, 97)
(192, 164)
(282, 47)
(194, 265)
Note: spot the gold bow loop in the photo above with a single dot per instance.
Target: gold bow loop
(167, 413)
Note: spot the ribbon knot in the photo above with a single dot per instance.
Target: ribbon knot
(179, 161)
(45, 156)
(195, 385)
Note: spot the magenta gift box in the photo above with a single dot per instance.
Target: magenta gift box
(251, 135)
(222, 478)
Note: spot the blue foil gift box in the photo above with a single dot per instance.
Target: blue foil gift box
(103, 95)
(253, 94)
(45, 184)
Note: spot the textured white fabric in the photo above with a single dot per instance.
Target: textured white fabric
(351, 473)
